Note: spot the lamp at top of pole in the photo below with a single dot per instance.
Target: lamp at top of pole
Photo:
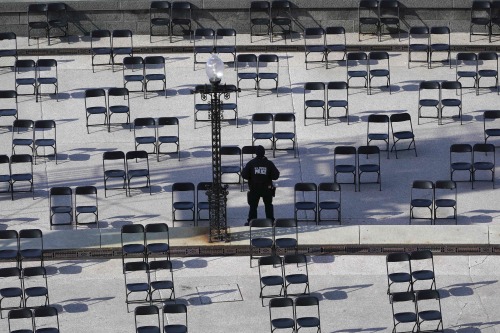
(214, 69)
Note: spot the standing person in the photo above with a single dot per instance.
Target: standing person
(260, 173)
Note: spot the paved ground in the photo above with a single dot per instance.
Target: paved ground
(352, 289)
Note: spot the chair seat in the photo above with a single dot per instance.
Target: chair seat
(440, 47)
(262, 242)
(30, 253)
(25, 81)
(203, 49)
(260, 21)
(101, 50)
(423, 275)
(296, 278)
(308, 322)
(148, 329)
(389, 20)
(315, 103)
(122, 50)
(97, 110)
(428, 102)
(23, 331)
(8, 53)
(61, 209)
(202, 107)
(135, 287)
(168, 139)
(480, 20)
(86, 209)
(11, 292)
(487, 72)
(118, 109)
(305, 205)
(378, 136)
(36, 291)
(329, 205)
(247, 76)
(183, 205)
(430, 315)
(155, 77)
(203, 205)
(259, 136)
(229, 106)
(421, 202)
(133, 78)
(21, 177)
(225, 49)
(272, 280)
(47, 330)
(335, 48)
(284, 135)
(267, 76)
(281, 323)
(137, 173)
(337, 104)
(357, 73)
(22, 142)
(445, 203)
(461, 166)
(8, 112)
(369, 168)
(8, 254)
(133, 248)
(345, 168)
(399, 277)
(175, 329)
(483, 165)
(493, 132)
(419, 47)
(157, 247)
(160, 21)
(114, 173)
(315, 48)
(47, 80)
(285, 243)
(379, 72)
(368, 20)
(281, 21)
(181, 21)
(230, 169)
(405, 317)
(158, 285)
(145, 139)
(404, 135)
(45, 142)
(451, 102)
(466, 74)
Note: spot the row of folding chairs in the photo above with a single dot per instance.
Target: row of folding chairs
(20, 285)
(148, 282)
(34, 135)
(37, 74)
(47, 17)
(27, 244)
(318, 95)
(17, 169)
(274, 127)
(83, 202)
(145, 242)
(220, 41)
(39, 319)
(8, 105)
(264, 67)
(276, 237)
(477, 66)
(294, 314)
(409, 270)
(324, 41)
(491, 124)
(418, 311)
(318, 199)
(156, 133)
(439, 95)
(480, 157)
(289, 274)
(429, 41)
(106, 103)
(202, 106)
(166, 15)
(110, 44)
(376, 64)
(143, 71)
(118, 165)
(486, 14)
(429, 195)
(174, 318)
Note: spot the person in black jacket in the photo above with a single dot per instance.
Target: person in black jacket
(260, 173)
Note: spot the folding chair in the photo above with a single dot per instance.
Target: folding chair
(166, 136)
(426, 88)
(487, 68)
(35, 285)
(261, 238)
(137, 281)
(231, 104)
(307, 320)
(480, 15)
(180, 16)
(61, 203)
(47, 313)
(374, 71)
(368, 16)
(118, 103)
(466, 66)
(495, 17)
(86, 204)
(281, 16)
(398, 266)
(45, 136)
(8, 46)
(443, 199)
(400, 131)
(305, 199)
(486, 163)
(25, 75)
(260, 16)
(296, 273)
(422, 268)
(200, 105)
(285, 129)
(8, 106)
(154, 70)
(422, 196)
(440, 41)
(357, 67)
(21, 170)
(11, 288)
(147, 319)
(5, 178)
(177, 324)
(202, 203)
(448, 100)
(133, 72)
(57, 18)
(225, 43)
(328, 200)
(286, 317)
(403, 311)
(381, 132)
(370, 166)
(186, 202)
(429, 313)
(37, 20)
(283, 241)
(204, 43)
(317, 100)
(314, 42)
(491, 124)
(337, 102)
(95, 104)
(461, 159)
(145, 133)
(121, 44)
(231, 164)
(271, 275)
(246, 68)
(388, 14)
(137, 167)
(30, 246)
(262, 128)
(344, 162)
(267, 61)
(10, 246)
(100, 45)
(159, 17)
(113, 165)
(418, 41)
(157, 240)
(18, 318)
(163, 282)
(132, 241)
(335, 41)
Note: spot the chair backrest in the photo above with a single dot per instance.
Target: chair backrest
(146, 121)
(160, 6)
(440, 31)
(121, 33)
(95, 92)
(113, 155)
(429, 85)
(268, 58)
(421, 255)
(487, 56)
(314, 86)
(230, 150)
(423, 184)
(333, 187)
(466, 56)
(456, 85)
(174, 308)
(45, 124)
(418, 32)
(85, 190)
(61, 190)
(378, 118)
(265, 117)
(167, 121)
(46, 63)
(270, 260)
(445, 185)
(306, 301)
(24, 64)
(204, 33)
(183, 186)
(118, 92)
(246, 58)
(135, 266)
(305, 187)
(368, 4)
(427, 294)
(356, 56)
(397, 257)
(400, 117)
(136, 154)
(460, 148)
(368, 150)
(378, 55)
(132, 229)
(280, 302)
(154, 60)
(483, 148)
(344, 150)
(144, 310)
(31, 233)
(156, 227)
(261, 223)
(491, 114)
(295, 259)
(286, 116)
(225, 32)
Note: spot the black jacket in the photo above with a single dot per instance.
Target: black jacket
(260, 173)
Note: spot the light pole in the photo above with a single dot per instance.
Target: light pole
(217, 193)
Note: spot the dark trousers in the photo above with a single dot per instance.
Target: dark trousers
(253, 197)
